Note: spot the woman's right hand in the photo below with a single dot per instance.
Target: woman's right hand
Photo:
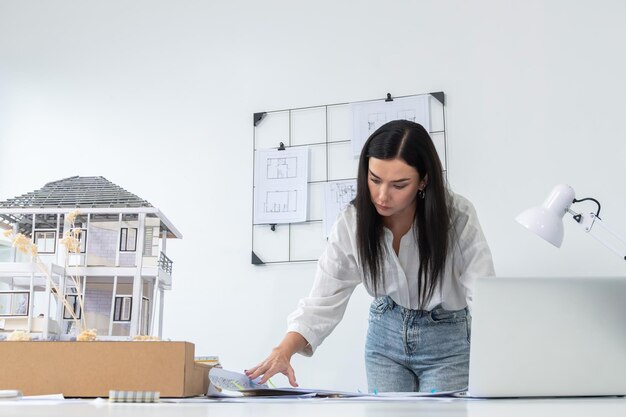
(279, 360)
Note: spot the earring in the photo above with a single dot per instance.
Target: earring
(420, 194)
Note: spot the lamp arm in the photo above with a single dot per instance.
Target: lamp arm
(588, 221)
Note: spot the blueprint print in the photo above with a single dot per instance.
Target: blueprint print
(337, 195)
(281, 201)
(370, 115)
(280, 185)
(406, 115)
(374, 121)
(278, 168)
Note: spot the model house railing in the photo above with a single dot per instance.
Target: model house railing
(165, 263)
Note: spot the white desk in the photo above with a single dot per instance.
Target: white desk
(576, 407)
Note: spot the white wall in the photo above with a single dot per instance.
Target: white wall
(535, 95)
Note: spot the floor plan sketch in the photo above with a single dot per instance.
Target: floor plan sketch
(337, 195)
(367, 116)
(406, 115)
(342, 192)
(278, 168)
(280, 185)
(281, 201)
(375, 120)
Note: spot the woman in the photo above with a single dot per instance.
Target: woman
(417, 248)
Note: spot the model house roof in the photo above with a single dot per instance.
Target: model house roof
(77, 192)
(94, 195)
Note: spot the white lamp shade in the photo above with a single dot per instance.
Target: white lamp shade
(543, 223)
(546, 221)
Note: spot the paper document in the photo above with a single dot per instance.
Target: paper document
(280, 186)
(240, 383)
(232, 381)
(370, 115)
(235, 381)
(337, 195)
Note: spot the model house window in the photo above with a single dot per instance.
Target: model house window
(82, 239)
(145, 315)
(45, 241)
(123, 308)
(128, 239)
(14, 303)
(147, 241)
(72, 300)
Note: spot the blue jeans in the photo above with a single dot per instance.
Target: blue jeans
(416, 350)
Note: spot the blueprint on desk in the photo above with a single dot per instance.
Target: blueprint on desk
(235, 381)
(240, 383)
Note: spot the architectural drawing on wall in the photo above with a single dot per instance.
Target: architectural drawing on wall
(279, 168)
(343, 193)
(122, 266)
(337, 195)
(280, 193)
(374, 121)
(406, 115)
(281, 201)
(367, 116)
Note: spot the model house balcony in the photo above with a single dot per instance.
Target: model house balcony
(165, 270)
(165, 263)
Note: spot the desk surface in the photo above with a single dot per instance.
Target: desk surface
(573, 407)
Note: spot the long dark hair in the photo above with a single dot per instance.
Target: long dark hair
(410, 142)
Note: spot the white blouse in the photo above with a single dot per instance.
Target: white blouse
(339, 271)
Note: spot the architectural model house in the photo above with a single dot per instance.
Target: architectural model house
(122, 266)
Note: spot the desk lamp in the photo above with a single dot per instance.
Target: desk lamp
(546, 220)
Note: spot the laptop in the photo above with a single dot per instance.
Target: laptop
(539, 337)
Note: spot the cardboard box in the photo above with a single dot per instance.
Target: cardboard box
(91, 369)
